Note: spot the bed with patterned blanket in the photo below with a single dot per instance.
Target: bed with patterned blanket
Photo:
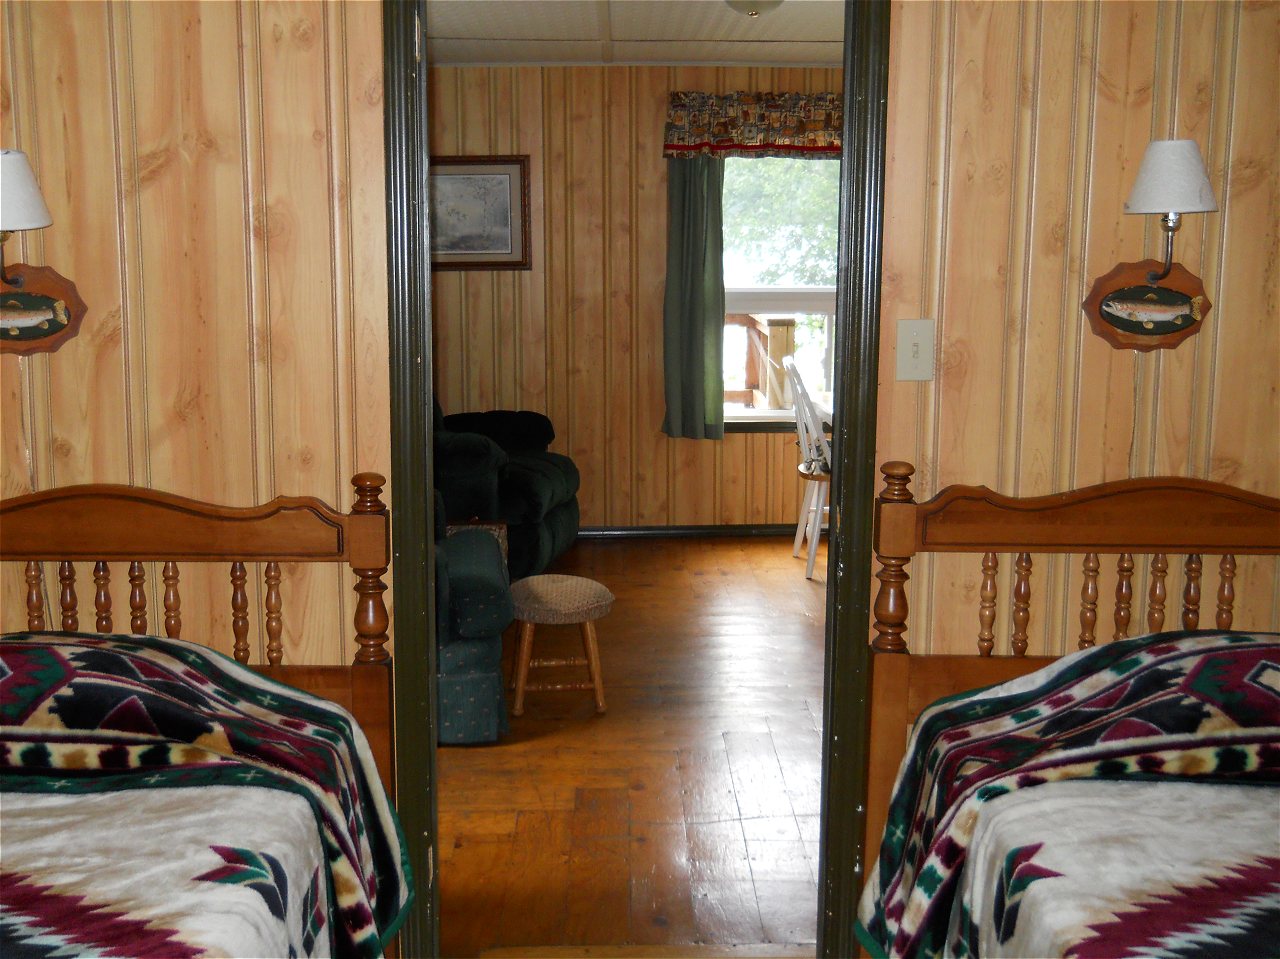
(160, 799)
(1123, 801)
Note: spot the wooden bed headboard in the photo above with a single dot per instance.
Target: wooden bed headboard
(1162, 515)
(102, 523)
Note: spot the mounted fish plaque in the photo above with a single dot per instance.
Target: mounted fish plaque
(1132, 313)
(39, 310)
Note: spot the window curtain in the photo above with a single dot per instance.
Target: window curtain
(693, 306)
(753, 124)
(702, 129)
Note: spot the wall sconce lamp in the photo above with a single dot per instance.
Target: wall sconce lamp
(1171, 181)
(22, 205)
(39, 309)
(1129, 307)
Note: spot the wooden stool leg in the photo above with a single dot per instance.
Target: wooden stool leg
(522, 666)
(593, 661)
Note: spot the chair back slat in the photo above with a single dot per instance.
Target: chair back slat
(35, 596)
(1191, 592)
(67, 596)
(240, 611)
(813, 441)
(172, 601)
(137, 599)
(1226, 591)
(1157, 593)
(1089, 602)
(1124, 595)
(1021, 603)
(987, 608)
(275, 622)
(102, 596)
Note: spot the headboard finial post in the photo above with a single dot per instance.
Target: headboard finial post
(897, 482)
(369, 493)
(894, 530)
(369, 563)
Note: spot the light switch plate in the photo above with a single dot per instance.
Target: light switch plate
(915, 349)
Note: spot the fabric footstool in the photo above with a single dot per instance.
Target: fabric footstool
(555, 599)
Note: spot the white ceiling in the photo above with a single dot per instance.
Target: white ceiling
(472, 32)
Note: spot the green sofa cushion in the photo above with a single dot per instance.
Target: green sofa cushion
(535, 483)
(479, 593)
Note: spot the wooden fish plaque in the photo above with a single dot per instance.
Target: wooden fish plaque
(1132, 313)
(39, 309)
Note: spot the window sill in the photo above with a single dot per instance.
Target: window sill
(739, 420)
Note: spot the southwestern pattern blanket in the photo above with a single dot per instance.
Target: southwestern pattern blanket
(160, 796)
(1182, 708)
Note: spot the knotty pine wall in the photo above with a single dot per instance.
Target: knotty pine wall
(1015, 133)
(215, 173)
(580, 335)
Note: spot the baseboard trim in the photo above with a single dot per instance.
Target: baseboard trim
(686, 532)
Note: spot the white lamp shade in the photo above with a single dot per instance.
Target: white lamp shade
(1172, 179)
(22, 206)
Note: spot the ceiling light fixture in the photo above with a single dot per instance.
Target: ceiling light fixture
(753, 8)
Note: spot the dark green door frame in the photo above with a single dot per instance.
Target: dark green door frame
(853, 483)
(846, 697)
(412, 540)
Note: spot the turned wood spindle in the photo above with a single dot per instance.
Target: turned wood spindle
(890, 608)
(987, 607)
(1124, 595)
(1157, 594)
(102, 596)
(1226, 591)
(35, 596)
(172, 601)
(137, 598)
(275, 622)
(240, 611)
(371, 618)
(67, 597)
(1021, 603)
(1191, 592)
(1089, 602)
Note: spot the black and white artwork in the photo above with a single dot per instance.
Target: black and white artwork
(479, 213)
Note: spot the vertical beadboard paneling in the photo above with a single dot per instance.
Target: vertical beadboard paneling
(1095, 82)
(215, 172)
(587, 338)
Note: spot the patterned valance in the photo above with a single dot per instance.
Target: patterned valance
(753, 124)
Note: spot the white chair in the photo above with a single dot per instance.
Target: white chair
(815, 469)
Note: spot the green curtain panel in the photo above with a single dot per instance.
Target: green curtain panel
(693, 308)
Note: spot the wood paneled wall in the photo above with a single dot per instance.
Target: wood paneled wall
(580, 335)
(215, 173)
(1016, 130)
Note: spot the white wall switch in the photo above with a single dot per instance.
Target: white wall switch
(915, 349)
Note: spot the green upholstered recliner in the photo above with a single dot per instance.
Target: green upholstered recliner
(473, 607)
(496, 467)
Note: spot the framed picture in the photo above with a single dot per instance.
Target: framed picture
(480, 213)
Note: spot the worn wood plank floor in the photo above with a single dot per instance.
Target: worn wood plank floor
(688, 813)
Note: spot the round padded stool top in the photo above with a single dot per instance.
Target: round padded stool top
(553, 598)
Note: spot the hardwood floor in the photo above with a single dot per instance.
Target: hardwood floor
(687, 815)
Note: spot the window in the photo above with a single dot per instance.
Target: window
(780, 228)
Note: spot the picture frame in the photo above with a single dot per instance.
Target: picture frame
(479, 212)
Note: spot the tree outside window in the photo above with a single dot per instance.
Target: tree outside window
(780, 235)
